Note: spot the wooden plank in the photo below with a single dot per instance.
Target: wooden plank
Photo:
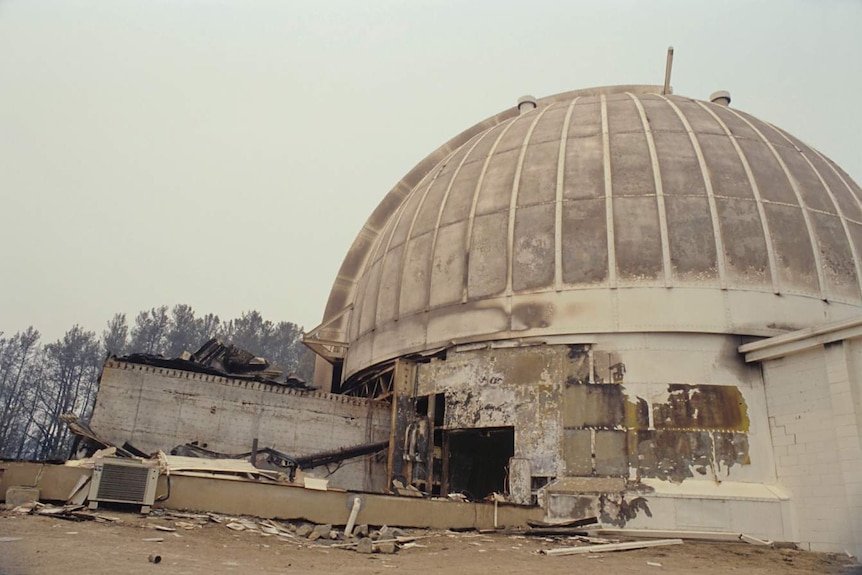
(753, 540)
(664, 534)
(611, 547)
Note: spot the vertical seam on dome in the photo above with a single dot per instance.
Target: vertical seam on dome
(472, 217)
(558, 203)
(397, 220)
(609, 200)
(440, 214)
(755, 191)
(815, 243)
(513, 200)
(408, 237)
(659, 193)
(838, 210)
(710, 195)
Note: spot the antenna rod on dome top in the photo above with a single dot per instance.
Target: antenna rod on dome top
(667, 68)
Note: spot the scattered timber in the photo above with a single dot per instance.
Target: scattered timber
(611, 547)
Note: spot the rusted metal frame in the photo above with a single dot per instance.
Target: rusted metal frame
(831, 194)
(755, 190)
(369, 381)
(710, 195)
(609, 198)
(444, 472)
(472, 217)
(809, 225)
(659, 192)
(513, 200)
(328, 349)
(336, 455)
(558, 201)
(402, 413)
(429, 455)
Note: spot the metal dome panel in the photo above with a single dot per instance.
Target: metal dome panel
(602, 211)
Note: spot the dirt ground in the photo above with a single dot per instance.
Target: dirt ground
(39, 545)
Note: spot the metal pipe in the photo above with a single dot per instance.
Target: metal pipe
(665, 90)
(351, 521)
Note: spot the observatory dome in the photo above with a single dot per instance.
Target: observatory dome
(606, 210)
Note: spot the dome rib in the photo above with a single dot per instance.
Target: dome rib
(767, 237)
(434, 254)
(609, 195)
(471, 221)
(513, 199)
(815, 244)
(659, 193)
(841, 216)
(610, 210)
(558, 196)
(720, 254)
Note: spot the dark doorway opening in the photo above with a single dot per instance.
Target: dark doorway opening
(479, 460)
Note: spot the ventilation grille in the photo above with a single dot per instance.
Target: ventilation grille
(124, 482)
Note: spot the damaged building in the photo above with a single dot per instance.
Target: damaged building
(616, 302)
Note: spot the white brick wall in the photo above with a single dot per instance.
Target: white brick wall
(156, 408)
(813, 404)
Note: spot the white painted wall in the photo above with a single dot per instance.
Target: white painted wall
(156, 408)
(814, 401)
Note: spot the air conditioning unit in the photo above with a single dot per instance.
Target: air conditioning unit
(123, 481)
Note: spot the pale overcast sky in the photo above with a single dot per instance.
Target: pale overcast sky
(225, 153)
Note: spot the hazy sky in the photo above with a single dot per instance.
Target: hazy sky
(225, 153)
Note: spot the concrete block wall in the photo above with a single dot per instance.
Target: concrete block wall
(158, 408)
(813, 402)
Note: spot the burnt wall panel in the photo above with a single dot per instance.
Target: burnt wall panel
(594, 405)
(612, 453)
(578, 451)
(671, 454)
(720, 407)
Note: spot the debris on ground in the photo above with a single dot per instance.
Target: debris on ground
(611, 547)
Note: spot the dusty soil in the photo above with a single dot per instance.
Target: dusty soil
(51, 546)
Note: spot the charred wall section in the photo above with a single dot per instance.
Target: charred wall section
(586, 411)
